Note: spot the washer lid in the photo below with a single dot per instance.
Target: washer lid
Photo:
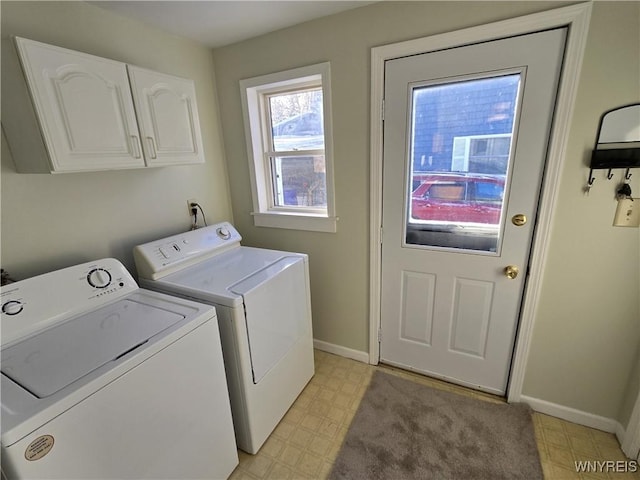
(54, 358)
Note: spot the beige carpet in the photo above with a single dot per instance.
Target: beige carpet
(403, 430)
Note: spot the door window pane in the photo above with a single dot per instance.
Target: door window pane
(460, 147)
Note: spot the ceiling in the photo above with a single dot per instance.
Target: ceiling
(221, 22)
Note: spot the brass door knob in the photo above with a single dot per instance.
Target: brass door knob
(519, 220)
(511, 271)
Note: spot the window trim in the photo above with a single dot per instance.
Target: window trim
(252, 90)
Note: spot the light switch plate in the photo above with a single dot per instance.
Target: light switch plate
(627, 213)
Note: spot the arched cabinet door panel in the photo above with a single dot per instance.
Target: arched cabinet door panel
(168, 117)
(84, 107)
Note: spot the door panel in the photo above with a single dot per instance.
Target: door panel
(418, 293)
(465, 139)
(471, 316)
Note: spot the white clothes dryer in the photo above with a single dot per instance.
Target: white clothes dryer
(264, 314)
(102, 379)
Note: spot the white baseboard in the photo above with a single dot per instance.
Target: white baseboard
(342, 351)
(584, 418)
(575, 416)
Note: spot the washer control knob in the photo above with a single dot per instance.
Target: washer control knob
(12, 307)
(99, 278)
(223, 233)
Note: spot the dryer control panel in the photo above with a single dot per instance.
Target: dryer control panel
(32, 304)
(157, 259)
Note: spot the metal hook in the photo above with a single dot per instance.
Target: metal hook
(590, 181)
(627, 175)
(609, 175)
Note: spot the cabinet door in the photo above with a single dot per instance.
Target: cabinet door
(84, 107)
(167, 117)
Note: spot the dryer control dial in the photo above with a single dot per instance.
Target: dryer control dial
(99, 278)
(12, 307)
(223, 233)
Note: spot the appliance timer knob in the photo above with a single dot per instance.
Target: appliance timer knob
(223, 233)
(99, 278)
(12, 307)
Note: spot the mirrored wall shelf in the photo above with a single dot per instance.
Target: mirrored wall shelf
(618, 142)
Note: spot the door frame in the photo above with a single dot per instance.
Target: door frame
(630, 439)
(576, 17)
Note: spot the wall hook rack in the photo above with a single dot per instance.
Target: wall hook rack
(618, 142)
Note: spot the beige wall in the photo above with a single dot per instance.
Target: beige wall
(586, 333)
(53, 221)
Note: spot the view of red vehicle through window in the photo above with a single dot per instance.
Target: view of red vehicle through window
(457, 198)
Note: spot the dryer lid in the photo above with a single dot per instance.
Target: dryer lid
(217, 279)
(49, 361)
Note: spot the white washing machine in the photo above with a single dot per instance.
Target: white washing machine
(102, 379)
(264, 315)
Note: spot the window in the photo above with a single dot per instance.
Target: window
(451, 192)
(287, 118)
(481, 153)
(460, 146)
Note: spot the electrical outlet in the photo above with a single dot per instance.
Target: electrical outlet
(189, 207)
(627, 213)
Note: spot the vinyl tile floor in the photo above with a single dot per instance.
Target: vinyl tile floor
(307, 440)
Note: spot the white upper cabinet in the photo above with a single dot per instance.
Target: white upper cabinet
(167, 116)
(86, 109)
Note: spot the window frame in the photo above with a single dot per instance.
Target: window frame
(254, 94)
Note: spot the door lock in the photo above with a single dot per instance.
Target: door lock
(519, 220)
(511, 271)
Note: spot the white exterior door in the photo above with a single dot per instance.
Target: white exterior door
(465, 141)
(85, 108)
(168, 117)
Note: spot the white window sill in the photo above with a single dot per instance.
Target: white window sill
(295, 221)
